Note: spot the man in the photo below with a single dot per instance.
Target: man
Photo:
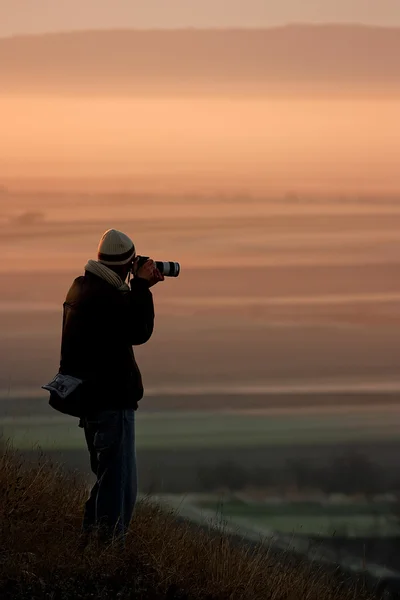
(103, 318)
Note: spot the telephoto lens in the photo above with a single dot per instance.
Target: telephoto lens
(167, 268)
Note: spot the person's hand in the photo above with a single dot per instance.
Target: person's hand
(157, 276)
(150, 272)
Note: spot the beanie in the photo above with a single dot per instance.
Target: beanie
(115, 248)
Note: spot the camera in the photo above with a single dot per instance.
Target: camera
(166, 268)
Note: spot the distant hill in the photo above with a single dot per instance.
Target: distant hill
(336, 58)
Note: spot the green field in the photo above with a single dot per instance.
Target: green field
(310, 518)
(211, 430)
(353, 526)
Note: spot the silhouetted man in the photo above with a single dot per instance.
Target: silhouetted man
(103, 318)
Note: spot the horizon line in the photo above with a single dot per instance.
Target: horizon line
(200, 29)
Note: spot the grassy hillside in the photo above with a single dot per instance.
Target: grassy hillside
(40, 512)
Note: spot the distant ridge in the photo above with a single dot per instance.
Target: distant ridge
(333, 58)
(177, 30)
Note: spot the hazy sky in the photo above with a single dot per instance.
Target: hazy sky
(35, 16)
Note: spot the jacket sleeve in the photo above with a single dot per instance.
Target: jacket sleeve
(140, 312)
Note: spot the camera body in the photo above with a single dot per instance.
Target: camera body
(166, 268)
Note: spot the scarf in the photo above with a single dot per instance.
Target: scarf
(96, 268)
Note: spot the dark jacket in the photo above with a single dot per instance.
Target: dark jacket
(100, 326)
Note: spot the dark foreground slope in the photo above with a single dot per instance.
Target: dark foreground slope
(40, 510)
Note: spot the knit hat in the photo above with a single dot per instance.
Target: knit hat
(115, 248)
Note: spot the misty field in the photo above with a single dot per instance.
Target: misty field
(179, 430)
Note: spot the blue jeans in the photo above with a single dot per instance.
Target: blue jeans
(110, 438)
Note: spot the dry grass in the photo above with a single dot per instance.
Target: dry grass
(40, 516)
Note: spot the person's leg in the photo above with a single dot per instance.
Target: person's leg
(129, 469)
(110, 437)
(89, 515)
(107, 427)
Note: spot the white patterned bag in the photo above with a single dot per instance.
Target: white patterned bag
(65, 394)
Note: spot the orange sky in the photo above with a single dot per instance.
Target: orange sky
(244, 142)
